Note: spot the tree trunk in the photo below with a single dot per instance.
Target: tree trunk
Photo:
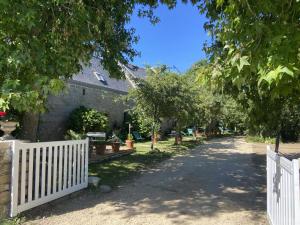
(30, 123)
(277, 142)
(152, 137)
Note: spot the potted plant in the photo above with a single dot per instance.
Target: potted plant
(178, 138)
(100, 147)
(130, 141)
(115, 143)
(7, 125)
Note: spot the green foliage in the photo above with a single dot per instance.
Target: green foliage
(259, 139)
(214, 108)
(256, 41)
(72, 135)
(129, 137)
(83, 120)
(255, 56)
(163, 94)
(43, 42)
(12, 221)
(290, 127)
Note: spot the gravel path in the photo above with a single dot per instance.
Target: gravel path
(220, 182)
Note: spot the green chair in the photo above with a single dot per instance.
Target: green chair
(137, 136)
(190, 132)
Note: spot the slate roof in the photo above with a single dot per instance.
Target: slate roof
(87, 76)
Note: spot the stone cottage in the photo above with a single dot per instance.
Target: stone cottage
(92, 88)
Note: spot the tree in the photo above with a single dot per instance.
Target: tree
(163, 94)
(215, 108)
(43, 42)
(255, 51)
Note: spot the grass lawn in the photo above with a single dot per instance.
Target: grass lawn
(258, 139)
(12, 221)
(122, 169)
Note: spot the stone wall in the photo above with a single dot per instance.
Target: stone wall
(53, 124)
(5, 174)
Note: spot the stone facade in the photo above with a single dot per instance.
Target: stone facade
(5, 175)
(53, 124)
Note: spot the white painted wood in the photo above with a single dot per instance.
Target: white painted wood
(49, 198)
(74, 165)
(43, 176)
(78, 164)
(82, 163)
(54, 187)
(70, 166)
(296, 191)
(86, 165)
(49, 182)
(283, 190)
(59, 172)
(65, 166)
(15, 179)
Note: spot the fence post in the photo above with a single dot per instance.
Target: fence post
(296, 191)
(5, 177)
(268, 181)
(87, 161)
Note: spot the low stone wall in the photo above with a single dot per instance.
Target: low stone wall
(5, 177)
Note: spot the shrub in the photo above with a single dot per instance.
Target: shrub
(259, 139)
(129, 137)
(72, 135)
(84, 120)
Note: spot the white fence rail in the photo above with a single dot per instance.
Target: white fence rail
(283, 201)
(42, 172)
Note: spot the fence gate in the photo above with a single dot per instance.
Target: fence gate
(42, 172)
(283, 201)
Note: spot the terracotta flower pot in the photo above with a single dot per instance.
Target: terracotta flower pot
(100, 148)
(178, 140)
(130, 144)
(115, 146)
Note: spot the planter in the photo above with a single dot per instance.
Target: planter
(100, 148)
(129, 144)
(178, 139)
(115, 146)
(7, 127)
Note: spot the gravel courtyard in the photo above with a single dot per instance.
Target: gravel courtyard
(219, 182)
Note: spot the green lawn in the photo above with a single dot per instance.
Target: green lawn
(258, 139)
(122, 169)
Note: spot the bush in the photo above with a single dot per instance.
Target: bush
(83, 120)
(259, 139)
(72, 135)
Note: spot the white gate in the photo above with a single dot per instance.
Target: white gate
(283, 201)
(42, 172)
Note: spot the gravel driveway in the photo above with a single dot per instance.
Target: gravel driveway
(220, 182)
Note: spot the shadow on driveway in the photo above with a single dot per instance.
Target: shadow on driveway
(221, 176)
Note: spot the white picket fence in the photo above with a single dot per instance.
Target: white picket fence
(42, 172)
(283, 201)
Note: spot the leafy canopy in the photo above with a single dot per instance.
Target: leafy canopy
(43, 42)
(83, 120)
(214, 108)
(255, 51)
(256, 41)
(163, 94)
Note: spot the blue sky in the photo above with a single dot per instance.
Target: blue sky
(177, 40)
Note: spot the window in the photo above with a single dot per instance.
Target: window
(83, 91)
(100, 77)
